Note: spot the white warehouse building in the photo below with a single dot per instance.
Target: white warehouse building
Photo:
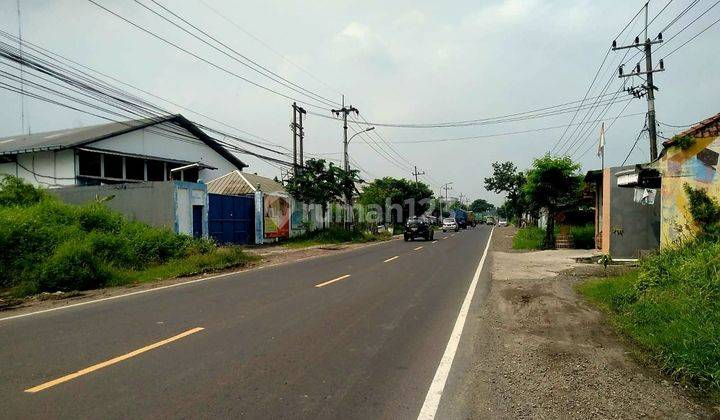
(152, 149)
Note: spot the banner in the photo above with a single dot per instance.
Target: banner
(276, 212)
(259, 217)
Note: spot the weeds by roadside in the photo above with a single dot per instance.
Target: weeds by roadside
(334, 235)
(48, 246)
(671, 307)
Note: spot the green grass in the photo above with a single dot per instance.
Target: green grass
(670, 306)
(222, 258)
(49, 246)
(529, 237)
(583, 237)
(332, 236)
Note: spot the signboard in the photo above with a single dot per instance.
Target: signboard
(276, 216)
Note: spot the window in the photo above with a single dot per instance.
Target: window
(134, 169)
(89, 163)
(191, 175)
(113, 166)
(173, 175)
(155, 170)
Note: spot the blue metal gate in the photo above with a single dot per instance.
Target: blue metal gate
(231, 218)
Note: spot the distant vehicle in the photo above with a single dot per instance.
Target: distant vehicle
(472, 221)
(450, 224)
(461, 217)
(502, 223)
(418, 228)
(489, 220)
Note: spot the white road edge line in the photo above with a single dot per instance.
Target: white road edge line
(139, 292)
(434, 394)
(393, 258)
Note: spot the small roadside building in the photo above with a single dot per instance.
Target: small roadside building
(150, 149)
(690, 157)
(152, 170)
(249, 208)
(627, 220)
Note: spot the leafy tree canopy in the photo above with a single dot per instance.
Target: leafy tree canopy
(481, 206)
(399, 192)
(553, 183)
(507, 179)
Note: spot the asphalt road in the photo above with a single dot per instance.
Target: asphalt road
(265, 343)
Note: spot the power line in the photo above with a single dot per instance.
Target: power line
(214, 65)
(268, 46)
(52, 55)
(524, 116)
(503, 134)
(266, 72)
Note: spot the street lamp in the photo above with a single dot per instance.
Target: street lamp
(347, 163)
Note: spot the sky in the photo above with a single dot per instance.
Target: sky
(399, 62)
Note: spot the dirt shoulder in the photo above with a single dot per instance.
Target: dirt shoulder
(268, 256)
(544, 352)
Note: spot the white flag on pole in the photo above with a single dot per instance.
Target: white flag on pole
(601, 146)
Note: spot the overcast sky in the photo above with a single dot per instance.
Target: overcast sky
(396, 61)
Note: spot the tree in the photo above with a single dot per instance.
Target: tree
(505, 210)
(481, 206)
(553, 183)
(320, 184)
(506, 179)
(399, 192)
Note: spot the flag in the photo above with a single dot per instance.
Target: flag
(601, 145)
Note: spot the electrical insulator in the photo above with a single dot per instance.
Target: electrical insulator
(662, 65)
(620, 70)
(637, 40)
(637, 68)
(614, 44)
(659, 36)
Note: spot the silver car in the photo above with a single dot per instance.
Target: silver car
(502, 223)
(450, 224)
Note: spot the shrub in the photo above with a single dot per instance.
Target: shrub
(16, 192)
(671, 307)
(704, 210)
(529, 237)
(73, 266)
(583, 237)
(46, 245)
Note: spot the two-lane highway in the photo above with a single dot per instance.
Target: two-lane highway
(359, 334)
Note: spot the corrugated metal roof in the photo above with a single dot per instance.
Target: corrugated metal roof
(62, 139)
(241, 183)
(73, 137)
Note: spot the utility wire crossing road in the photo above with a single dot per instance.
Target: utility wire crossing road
(371, 332)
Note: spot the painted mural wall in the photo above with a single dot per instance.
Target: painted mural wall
(698, 167)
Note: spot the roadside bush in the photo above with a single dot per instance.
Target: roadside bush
(46, 245)
(671, 307)
(15, 192)
(73, 266)
(583, 237)
(529, 237)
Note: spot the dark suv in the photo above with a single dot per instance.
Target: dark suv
(418, 228)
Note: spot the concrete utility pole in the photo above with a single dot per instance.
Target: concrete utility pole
(298, 132)
(649, 87)
(416, 173)
(446, 187)
(345, 111)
